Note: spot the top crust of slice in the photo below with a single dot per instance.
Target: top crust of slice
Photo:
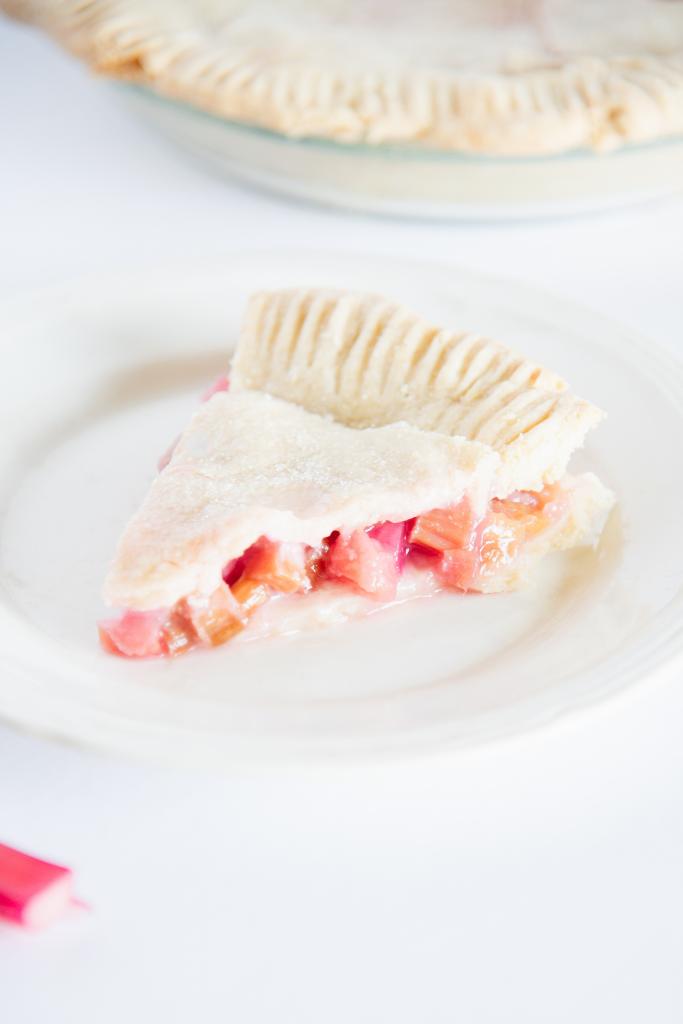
(249, 464)
(366, 362)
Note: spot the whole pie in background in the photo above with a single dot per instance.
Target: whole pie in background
(482, 76)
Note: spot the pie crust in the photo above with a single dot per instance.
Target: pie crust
(250, 465)
(479, 76)
(366, 361)
(343, 411)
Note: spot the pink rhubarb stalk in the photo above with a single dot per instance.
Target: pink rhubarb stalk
(33, 892)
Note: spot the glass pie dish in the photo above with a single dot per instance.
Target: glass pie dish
(411, 180)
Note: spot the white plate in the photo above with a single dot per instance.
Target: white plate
(416, 181)
(98, 377)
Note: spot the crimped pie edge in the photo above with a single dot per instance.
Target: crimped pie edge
(594, 102)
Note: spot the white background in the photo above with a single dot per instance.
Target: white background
(537, 881)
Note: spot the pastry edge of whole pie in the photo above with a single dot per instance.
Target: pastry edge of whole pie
(594, 102)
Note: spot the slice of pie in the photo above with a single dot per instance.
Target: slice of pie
(354, 449)
(484, 76)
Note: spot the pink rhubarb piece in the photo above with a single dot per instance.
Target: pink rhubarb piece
(33, 892)
(366, 561)
(134, 635)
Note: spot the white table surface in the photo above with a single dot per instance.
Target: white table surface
(537, 881)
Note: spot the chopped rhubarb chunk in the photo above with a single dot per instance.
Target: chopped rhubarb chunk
(499, 541)
(178, 634)
(134, 635)
(251, 594)
(459, 568)
(232, 570)
(221, 383)
(208, 620)
(393, 536)
(315, 558)
(444, 528)
(465, 552)
(283, 566)
(493, 545)
(33, 892)
(216, 618)
(532, 510)
(365, 561)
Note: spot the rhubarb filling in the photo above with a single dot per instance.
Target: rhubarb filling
(461, 551)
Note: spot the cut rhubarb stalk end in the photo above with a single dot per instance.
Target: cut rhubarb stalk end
(33, 892)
